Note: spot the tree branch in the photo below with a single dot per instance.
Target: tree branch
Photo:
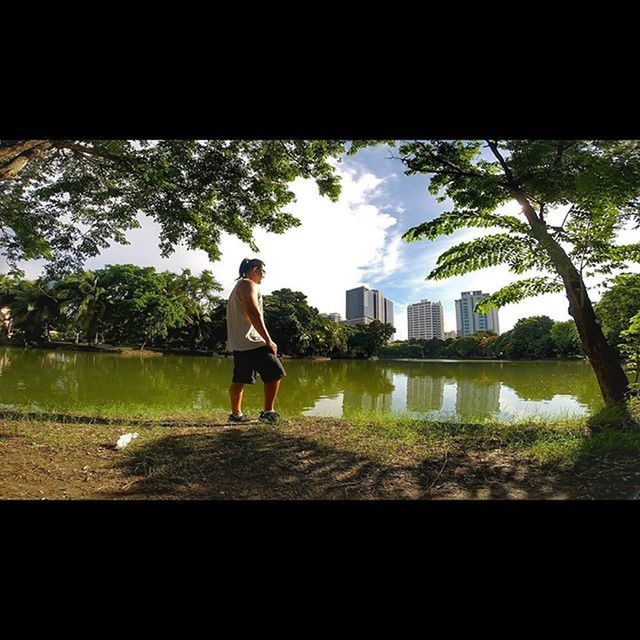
(566, 216)
(15, 155)
(12, 148)
(562, 147)
(503, 163)
(91, 151)
(457, 171)
(515, 188)
(454, 172)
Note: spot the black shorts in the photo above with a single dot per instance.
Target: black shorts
(246, 363)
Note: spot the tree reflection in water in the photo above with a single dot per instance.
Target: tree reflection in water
(65, 379)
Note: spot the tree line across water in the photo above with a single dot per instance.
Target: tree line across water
(128, 305)
(533, 338)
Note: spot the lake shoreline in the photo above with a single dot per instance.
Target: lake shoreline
(68, 456)
(123, 349)
(436, 389)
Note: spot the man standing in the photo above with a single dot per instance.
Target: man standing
(248, 338)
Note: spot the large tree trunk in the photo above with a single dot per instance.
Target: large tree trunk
(16, 154)
(603, 358)
(611, 377)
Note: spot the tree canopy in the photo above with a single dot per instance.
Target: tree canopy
(618, 305)
(66, 200)
(595, 183)
(598, 182)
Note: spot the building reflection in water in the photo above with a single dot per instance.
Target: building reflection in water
(476, 398)
(469, 389)
(472, 397)
(376, 395)
(425, 393)
(329, 407)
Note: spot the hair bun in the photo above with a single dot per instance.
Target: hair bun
(247, 264)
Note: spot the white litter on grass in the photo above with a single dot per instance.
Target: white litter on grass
(124, 440)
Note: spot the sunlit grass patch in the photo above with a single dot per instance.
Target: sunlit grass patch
(382, 436)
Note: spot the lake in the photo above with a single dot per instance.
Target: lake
(41, 379)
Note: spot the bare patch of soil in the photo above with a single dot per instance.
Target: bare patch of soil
(295, 461)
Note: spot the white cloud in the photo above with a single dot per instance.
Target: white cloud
(336, 244)
(385, 262)
(329, 252)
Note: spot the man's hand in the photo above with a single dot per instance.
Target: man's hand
(273, 347)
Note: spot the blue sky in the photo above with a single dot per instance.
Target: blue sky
(356, 241)
(406, 198)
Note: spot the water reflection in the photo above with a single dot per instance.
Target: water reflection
(466, 389)
(477, 398)
(372, 393)
(425, 393)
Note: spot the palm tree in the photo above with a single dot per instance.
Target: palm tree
(197, 297)
(35, 308)
(86, 298)
(335, 338)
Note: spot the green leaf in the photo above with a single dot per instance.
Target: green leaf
(80, 196)
(451, 221)
(488, 251)
(630, 252)
(517, 291)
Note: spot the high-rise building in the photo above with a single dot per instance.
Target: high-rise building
(450, 334)
(388, 311)
(379, 306)
(425, 320)
(368, 303)
(334, 317)
(468, 321)
(360, 304)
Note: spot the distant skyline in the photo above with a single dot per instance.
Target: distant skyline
(350, 243)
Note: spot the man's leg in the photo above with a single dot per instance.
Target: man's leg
(270, 393)
(235, 392)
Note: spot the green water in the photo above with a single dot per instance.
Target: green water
(40, 379)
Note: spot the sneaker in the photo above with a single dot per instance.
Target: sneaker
(269, 416)
(241, 418)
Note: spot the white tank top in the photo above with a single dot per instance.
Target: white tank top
(241, 334)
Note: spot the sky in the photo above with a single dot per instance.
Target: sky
(353, 242)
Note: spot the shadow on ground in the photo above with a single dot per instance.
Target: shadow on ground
(261, 463)
(256, 463)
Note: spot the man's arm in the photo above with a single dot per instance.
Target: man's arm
(248, 293)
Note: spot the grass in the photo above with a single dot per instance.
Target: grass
(384, 436)
(564, 440)
(183, 454)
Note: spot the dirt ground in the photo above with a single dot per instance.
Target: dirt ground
(53, 460)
